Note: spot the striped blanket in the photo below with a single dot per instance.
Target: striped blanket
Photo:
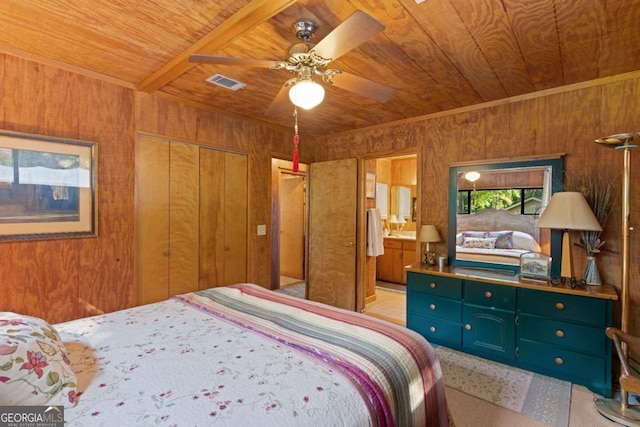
(395, 370)
(243, 355)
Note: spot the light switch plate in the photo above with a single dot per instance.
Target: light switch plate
(262, 229)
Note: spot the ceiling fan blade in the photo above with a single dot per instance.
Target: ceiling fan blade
(230, 60)
(281, 103)
(364, 87)
(353, 31)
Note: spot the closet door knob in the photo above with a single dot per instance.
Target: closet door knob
(488, 294)
(560, 306)
(467, 327)
(432, 285)
(432, 329)
(560, 333)
(432, 306)
(559, 361)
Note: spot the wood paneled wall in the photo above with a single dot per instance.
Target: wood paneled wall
(559, 122)
(70, 278)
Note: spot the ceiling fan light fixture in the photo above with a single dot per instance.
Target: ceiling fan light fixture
(306, 94)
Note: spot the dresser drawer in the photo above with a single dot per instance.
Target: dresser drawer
(436, 330)
(430, 305)
(556, 332)
(563, 363)
(489, 295)
(585, 310)
(434, 285)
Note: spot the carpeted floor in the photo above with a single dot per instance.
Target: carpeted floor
(296, 290)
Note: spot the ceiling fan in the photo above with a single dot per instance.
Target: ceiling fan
(305, 60)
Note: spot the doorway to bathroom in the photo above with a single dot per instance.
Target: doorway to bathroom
(289, 218)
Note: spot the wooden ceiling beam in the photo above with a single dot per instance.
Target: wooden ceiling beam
(246, 18)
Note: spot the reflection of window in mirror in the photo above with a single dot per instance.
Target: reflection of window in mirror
(501, 202)
(404, 202)
(381, 199)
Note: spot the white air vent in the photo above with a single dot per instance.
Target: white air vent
(226, 82)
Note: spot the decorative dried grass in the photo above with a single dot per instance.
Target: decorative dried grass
(598, 191)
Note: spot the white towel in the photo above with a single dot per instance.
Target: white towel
(375, 244)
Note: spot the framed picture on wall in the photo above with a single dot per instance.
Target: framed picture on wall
(371, 186)
(47, 187)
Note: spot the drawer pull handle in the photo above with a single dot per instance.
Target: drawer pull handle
(560, 333)
(560, 306)
(467, 327)
(432, 329)
(559, 361)
(488, 294)
(432, 306)
(432, 285)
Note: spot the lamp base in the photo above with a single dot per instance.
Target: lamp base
(566, 267)
(430, 258)
(613, 409)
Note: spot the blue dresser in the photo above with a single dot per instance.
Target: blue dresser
(555, 331)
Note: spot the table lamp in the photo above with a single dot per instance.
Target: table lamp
(429, 234)
(566, 211)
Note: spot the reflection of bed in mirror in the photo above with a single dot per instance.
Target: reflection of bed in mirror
(495, 236)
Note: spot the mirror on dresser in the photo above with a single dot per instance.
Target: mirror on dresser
(493, 207)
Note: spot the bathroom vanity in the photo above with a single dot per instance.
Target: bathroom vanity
(399, 251)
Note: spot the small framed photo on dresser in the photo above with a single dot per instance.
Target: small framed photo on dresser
(535, 265)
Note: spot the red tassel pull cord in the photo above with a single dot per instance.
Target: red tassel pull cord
(296, 141)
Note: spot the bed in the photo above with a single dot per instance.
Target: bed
(238, 355)
(496, 237)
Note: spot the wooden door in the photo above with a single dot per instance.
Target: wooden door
(292, 225)
(152, 205)
(223, 218)
(331, 274)
(235, 218)
(212, 240)
(184, 207)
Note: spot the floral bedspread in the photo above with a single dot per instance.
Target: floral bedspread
(243, 355)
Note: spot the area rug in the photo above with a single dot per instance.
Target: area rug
(293, 290)
(537, 396)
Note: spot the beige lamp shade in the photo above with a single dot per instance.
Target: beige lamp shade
(568, 210)
(401, 220)
(394, 219)
(429, 233)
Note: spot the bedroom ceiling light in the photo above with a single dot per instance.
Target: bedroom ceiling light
(472, 176)
(566, 211)
(306, 94)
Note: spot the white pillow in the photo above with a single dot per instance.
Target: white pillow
(525, 242)
(479, 242)
(34, 366)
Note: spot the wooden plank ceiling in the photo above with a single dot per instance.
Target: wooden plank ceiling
(439, 55)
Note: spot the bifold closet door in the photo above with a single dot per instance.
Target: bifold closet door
(167, 199)
(184, 226)
(152, 205)
(223, 218)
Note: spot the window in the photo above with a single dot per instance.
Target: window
(521, 201)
